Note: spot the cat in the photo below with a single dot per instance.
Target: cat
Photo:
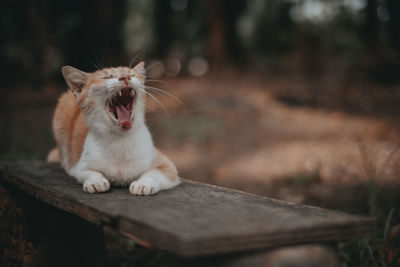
(101, 135)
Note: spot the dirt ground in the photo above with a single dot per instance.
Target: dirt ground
(237, 132)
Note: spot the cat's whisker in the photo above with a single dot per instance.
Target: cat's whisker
(135, 57)
(159, 81)
(99, 65)
(164, 94)
(155, 64)
(161, 91)
(102, 94)
(156, 99)
(102, 62)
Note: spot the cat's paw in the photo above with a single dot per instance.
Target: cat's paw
(96, 185)
(144, 187)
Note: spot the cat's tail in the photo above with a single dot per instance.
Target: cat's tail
(54, 155)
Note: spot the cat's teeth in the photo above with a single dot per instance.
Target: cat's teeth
(132, 93)
(120, 94)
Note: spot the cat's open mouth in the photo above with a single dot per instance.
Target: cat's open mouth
(120, 106)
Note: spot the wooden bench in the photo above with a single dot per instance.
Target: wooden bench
(191, 221)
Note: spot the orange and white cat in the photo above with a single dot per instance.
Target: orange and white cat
(101, 134)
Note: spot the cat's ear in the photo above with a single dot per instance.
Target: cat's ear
(76, 79)
(139, 69)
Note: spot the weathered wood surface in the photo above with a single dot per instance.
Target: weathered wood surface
(192, 219)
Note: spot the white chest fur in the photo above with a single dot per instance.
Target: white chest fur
(121, 159)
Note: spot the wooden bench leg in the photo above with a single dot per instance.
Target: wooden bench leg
(36, 234)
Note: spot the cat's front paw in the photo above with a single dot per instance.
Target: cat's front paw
(96, 185)
(144, 187)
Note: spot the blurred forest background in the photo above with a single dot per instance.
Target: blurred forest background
(293, 99)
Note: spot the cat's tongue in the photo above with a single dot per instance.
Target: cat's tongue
(124, 117)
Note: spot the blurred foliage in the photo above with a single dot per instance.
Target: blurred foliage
(380, 249)
(40, 36)
(196, 129)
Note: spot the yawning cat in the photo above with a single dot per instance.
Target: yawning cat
(101, 133)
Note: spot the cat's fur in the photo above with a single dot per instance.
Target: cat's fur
(101, 143)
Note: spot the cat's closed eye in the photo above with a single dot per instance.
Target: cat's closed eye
(108, 77)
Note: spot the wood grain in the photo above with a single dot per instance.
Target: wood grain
(192, 219)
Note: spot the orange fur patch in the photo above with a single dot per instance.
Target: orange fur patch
(164, 165)
(54, 155)
(70, 128)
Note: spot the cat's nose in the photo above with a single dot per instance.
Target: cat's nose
(124, 78)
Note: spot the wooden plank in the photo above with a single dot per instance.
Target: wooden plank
(190, 220)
